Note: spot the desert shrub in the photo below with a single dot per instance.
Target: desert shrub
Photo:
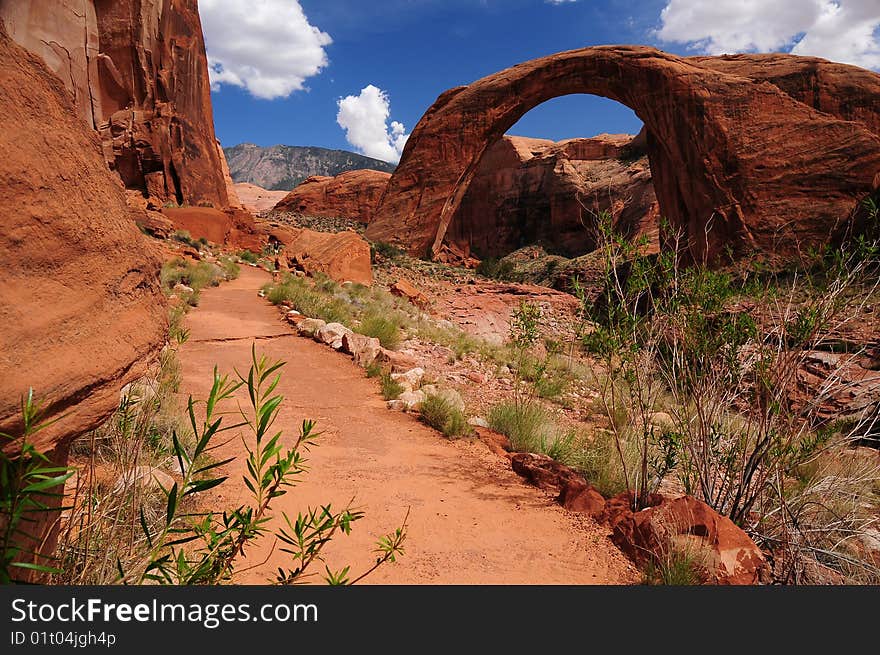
(391, 388)
(248, 256)
(30, 483)
(385, 250)
(442, 415)
(130, 534)
(308, 300)
(185, 237)
(675, 566)
(231, 269)
(531, 428)
(729, 378)
(498, 269)
(373, 369)
(382, 327)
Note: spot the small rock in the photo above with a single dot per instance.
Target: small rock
(477, 377)
(398, 361)
(405, 289)
(412, 399)
(411, 379)
(310, 326)
(182, 288)
(363, 349)
(478, 422)
(331, 334)
(396, 405)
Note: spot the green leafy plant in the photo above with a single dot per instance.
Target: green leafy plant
(391, 388)
(214, 543)
(438, 412)
(29, 487)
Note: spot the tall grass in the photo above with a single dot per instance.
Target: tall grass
(438, 412)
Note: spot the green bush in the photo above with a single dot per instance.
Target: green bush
(385, 250)
(382, 327)
(391, 388)
(498, 269)
(308, 300)
(442, 415)
(248, 256)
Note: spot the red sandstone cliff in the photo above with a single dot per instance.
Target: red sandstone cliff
(139, 76)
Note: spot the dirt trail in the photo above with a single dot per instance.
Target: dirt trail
(472, 520)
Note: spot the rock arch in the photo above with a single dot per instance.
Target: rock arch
(752, 152)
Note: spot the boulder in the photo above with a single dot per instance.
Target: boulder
(138, 74)
(83, 313)
(231, 227)
(577, 495)
(543, 471)
(410, 379)
(407, 290)
(309, 327)
(726, 553)
(408, 400)
(717, 135)
(332, 334)
(495, 441)
(397, 361)
(342, 256)
(364, 350)
(353, 195)
(155, 224)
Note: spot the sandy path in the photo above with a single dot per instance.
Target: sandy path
(472, 520)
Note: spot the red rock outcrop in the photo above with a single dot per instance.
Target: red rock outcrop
(723, 551)
(353, 195)
(231, 227)
(139, 76)
(528, 191)
(257, 199)
(79, 289)
(739, 161)
(342, 256)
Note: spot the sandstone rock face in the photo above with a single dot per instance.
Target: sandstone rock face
(79, 286)
(257, 199)
(529, 191)
(353, 195)
(139, 76)
(342, 256)
(742, 157)
(231, 227)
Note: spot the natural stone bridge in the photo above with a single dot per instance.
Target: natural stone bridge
(768, 153)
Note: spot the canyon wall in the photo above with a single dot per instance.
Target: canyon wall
(138, 74)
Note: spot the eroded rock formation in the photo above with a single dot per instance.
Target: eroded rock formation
(79, 290)
(528, 191)
(341, 256)
(354, 195)
(139, 76)
(768, 153)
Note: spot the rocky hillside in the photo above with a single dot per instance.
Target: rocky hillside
(284, 167)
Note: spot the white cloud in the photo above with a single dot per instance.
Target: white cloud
(265, 46)
(839, 30)
(364, 118)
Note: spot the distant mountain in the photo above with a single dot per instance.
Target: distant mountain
(280, 168)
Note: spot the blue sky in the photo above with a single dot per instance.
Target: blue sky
(309, 55)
